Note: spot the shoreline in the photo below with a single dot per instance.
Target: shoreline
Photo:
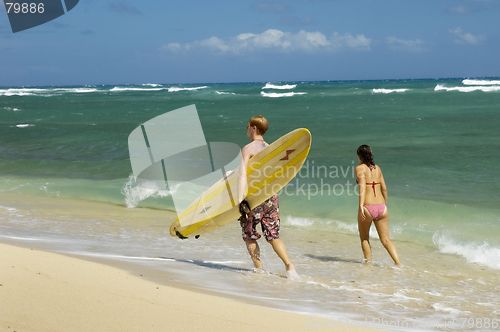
(334, 285)
(45, 291)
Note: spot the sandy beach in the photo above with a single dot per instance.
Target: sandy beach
(43, 291)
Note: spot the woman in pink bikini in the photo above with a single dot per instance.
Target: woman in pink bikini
(372, 204)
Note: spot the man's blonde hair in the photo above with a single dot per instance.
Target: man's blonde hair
(260, 122)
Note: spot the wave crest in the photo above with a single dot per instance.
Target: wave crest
(43, 92)
(279, 87)
(280, 95)
(479, 82)
(176, 89)
(388, 90)
(135, 194)
(467, 88)
(117, 88)
(480, 253)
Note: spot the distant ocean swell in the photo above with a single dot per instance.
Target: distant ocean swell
(75, 150)
(469, 85)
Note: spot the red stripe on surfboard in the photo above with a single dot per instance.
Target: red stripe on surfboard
(288, 152)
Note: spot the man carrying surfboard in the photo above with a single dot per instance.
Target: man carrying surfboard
(266, 214)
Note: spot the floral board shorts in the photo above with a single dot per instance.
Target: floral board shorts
(267, 215)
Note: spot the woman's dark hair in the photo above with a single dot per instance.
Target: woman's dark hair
(365, 154)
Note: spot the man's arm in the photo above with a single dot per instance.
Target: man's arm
(242, 177)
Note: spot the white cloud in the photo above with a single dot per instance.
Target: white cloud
(278, 41)
(405, 45)
(358, 42)
(214, 43)
(466, 38)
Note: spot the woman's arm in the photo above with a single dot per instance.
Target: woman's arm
(383, 187)
(361, 180)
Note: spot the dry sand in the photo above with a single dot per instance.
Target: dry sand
(42, 291)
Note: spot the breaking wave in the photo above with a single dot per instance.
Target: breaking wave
(479, 82)
(279, 95)
(388, 90)
(279, 87)
(480, 253)
(467, 88)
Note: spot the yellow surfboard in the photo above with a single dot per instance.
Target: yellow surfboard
(267, 173)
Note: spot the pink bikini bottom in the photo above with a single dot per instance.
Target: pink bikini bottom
(376, 210)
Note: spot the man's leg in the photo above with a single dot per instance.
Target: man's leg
(280, 249)
(254, 251)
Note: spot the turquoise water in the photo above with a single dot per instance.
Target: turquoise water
(433, 145)
(437, 142)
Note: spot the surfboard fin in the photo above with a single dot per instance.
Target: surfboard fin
(179, 235)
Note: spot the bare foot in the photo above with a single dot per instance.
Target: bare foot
(258, 270)
(292, 275)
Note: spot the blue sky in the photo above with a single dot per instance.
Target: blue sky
(193, 41)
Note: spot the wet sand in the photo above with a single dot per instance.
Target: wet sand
(43, 291)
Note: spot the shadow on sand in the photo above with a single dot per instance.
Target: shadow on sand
(332, 259)
(210, 265)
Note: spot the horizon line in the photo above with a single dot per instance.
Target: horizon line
(260, 82)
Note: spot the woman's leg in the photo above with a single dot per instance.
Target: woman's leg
(382, 226)
(364, 234)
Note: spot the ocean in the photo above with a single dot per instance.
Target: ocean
(66, 185)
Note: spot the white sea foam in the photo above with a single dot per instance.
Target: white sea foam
(224, 93)
(12, 109)
(467, 88)
(479, 82)
(117, 88)
(76, 90)
(225, 262)
(443, 308)
(279, 87)
(21, 92)
(176, 89)
(480, 253)
(43, 92)
(20, 238)
(279, 95)
(134, 194)
(388, 90)
(120, 257)
(24, 125)
(300, 222)
(352, 228)
(400, 295)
